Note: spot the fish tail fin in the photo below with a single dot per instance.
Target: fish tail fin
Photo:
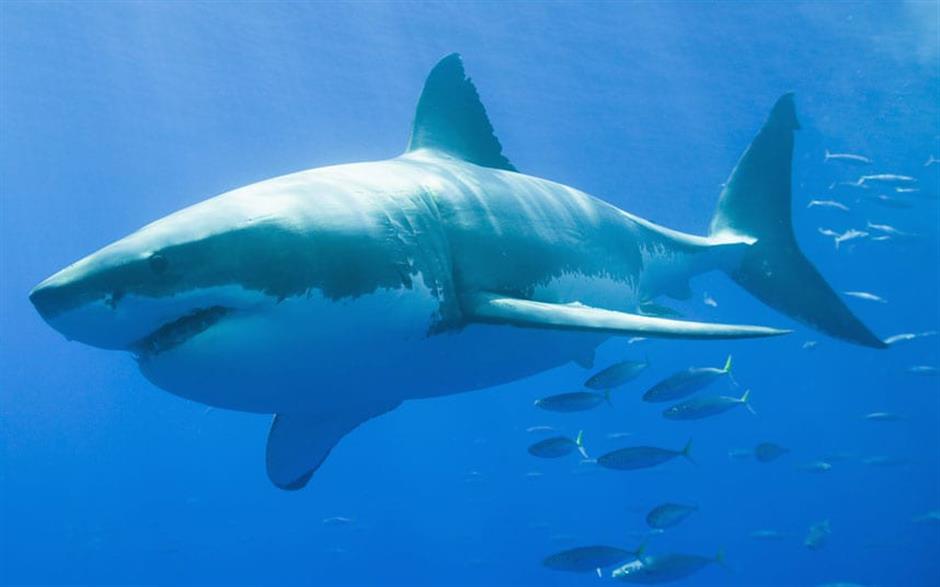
(580, 442)
(745, 399)
(687, 452)
(727, 367)
(755, 207)
(640, 550)
(827, 156)
(607, 398)
(600, 575)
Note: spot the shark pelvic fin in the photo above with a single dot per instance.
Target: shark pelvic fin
(299, 443)
(450, 118)
(496, 309)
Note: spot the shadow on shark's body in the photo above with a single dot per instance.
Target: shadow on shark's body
(330, 296)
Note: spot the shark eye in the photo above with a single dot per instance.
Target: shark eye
(158, 263)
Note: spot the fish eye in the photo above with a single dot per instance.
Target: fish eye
(158, 263)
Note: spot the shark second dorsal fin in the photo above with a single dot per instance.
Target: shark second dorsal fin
(450, 118)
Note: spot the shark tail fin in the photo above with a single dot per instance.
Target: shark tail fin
(755, 206)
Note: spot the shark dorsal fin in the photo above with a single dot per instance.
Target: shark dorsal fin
(450, 118)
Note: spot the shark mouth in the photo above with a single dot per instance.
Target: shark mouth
(172, 334)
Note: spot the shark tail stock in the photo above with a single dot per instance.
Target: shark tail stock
(755, 206)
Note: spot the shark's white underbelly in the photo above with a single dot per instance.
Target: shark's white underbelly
(313, 354)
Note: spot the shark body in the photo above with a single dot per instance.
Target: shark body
(330, 296)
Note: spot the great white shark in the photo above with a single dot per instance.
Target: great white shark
(329, 296)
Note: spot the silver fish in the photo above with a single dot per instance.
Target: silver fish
(908, 336)
(864, 295)
(847, 158)
(887, 179)
(616, 375)
(704, 407)
(576, 401)
(667, 515)
(557, 447)
(685, 383)
(827, 204)
(641, 457)
(925, 370)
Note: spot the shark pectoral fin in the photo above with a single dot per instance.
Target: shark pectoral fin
(494, 309)
(299, 443)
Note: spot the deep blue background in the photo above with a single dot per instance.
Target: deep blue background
(112, 115)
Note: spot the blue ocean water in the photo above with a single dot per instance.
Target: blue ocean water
(115, 114)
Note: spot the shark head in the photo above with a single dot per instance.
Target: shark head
(164, 284)
(265, 287)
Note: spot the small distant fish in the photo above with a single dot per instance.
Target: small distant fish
(906, 190)
(890, 202)
(908, 336)
(534, 474)
(850, 184)
(828, 204)
(668, 515)
(636, 339)
(925, 370)
(816, 467)
(616, 375)
(887, 179)
(931, 517)
(931, 160)
(474, 477)
(587, 559)
(891, 231)
(838, 457)
(848, 235)
(709, 301)
(883, 417)
(540, 429)
(817, 535)
(768, 451)
(810, 345)
(576, 401)
(740, 454)
(338, 521)
(558, 446)
(641, 457)
(685, 383)
(768, 535)
(617, 435)
(857, 160)
(886, 461)
(647, 570)
(704, 407)
(864, 295)
(654, 309)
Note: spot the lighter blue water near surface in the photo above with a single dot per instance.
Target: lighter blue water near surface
(113, 115)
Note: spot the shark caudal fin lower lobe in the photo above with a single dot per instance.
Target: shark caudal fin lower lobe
(756, 204)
